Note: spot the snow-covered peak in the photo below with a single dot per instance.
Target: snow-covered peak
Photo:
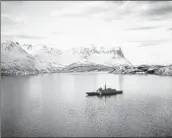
(45, 57)
(10, 46)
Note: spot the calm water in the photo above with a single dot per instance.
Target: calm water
(56, 105)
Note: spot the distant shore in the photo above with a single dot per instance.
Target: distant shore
(137, 70)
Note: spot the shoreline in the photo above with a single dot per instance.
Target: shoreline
(123, 70)
(35, 74)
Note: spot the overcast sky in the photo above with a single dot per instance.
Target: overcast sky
(85, 23)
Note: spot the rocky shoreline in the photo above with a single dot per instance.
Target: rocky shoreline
(125, 69)
(144, 69)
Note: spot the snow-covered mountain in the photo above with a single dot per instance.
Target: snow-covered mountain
(41, 58)
(47, 59)
(166, 70)
(15, 59)
(108, 57)
(28, 59)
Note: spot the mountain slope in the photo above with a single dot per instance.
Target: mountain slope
(166, 71)
(47, 59)
(14, 59)
(144, 69)
(93, 55)
(29, 59)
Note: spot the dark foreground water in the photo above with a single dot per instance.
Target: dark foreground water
(56, 105)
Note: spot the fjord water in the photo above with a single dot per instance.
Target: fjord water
(57, 105)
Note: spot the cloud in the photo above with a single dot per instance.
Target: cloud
(84, 9)
(11, 7)
(160, 8)
(86, 22)
(12, 2)
(11, 20)
(144, 28)
(30, 37)
(101, 10)
(22, 36)
(149, 43)
(147, 10)
(7, 21)
(57, 33)
(157, 10)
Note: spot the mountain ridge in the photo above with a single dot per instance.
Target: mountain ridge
(33, 59)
